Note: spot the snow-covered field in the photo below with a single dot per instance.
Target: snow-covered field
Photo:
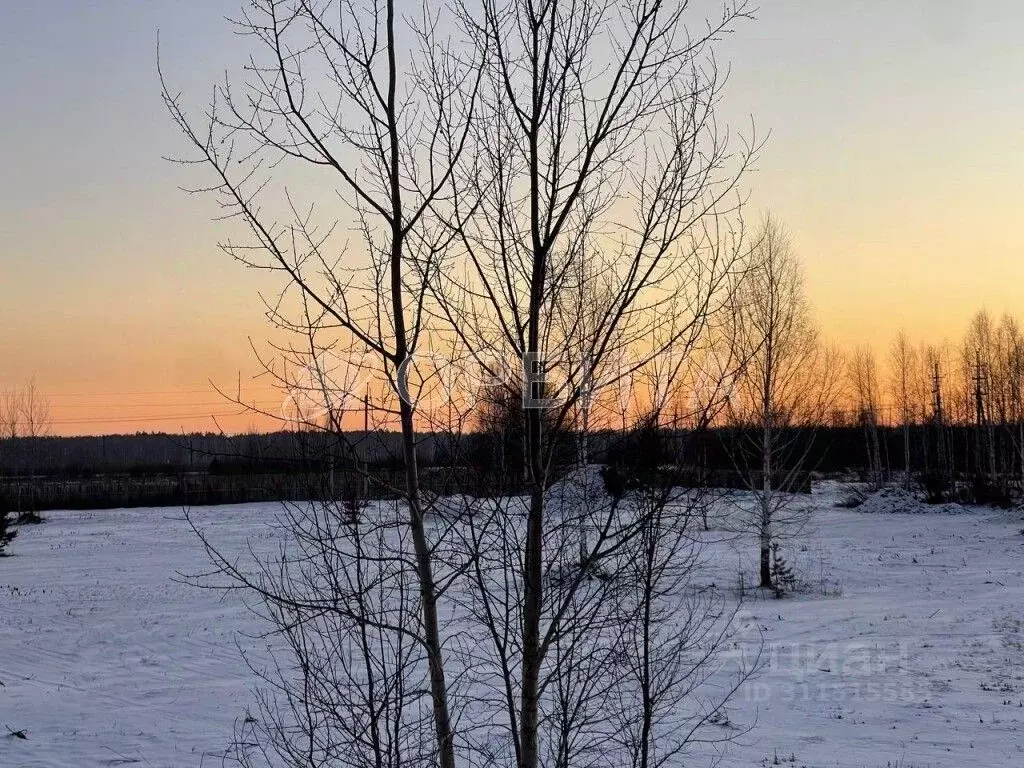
(908, 649)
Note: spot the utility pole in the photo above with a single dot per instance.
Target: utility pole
(939, 420)
(979, 413)
(990, 428)
(1017, 413)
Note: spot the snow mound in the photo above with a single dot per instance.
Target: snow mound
(578, 491)
(892, 500)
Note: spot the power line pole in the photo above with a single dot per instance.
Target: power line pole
(990, 429)
(939, 420)
(979, 413)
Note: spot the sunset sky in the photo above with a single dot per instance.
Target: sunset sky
(895, 159)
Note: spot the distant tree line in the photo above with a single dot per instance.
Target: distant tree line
(829, 448)
(24, 412)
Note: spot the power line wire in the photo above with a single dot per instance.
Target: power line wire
(142, 419)
(209, 391)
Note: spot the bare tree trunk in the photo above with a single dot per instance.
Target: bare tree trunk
(533, 376)
(906, 453)
(765, 502)
(532, 606)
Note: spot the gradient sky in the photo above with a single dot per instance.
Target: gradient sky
(895, 158)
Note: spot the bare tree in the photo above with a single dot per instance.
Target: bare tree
(903, 363)
(567, 140)
(378, 105)
(596, 143)
(863, 373)
(35, 411)
(1011, 377)
(10, 413)
(789, 383)
(936, 359)
(991, 371)
(979, 359)
(24, 412)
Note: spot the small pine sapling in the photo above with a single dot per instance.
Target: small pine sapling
(783, 578)
(353, 502)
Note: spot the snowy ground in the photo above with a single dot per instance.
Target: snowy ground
(908, 650)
